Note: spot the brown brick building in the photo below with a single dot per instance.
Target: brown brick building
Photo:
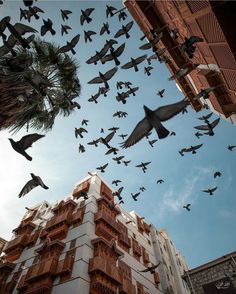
(214, 61)
(2, 244)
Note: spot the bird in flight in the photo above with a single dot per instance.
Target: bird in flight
(190, 149)
(187, 206)
(118, 193)
(152, 120)
(24, 143)
(150, 269)
(217, 174)
(103, 78)
(210, 191)
(231, 147)
(126, 162)
(79, 132)
(208, 127)
(64, 29)
(112, 150)
(31, 184)
(64, 14)
(143, 165)
(87, 35)
(47, 27)
(85, 15)
(118, 159)
(206, 117)
(105, 28)
(116, 182)
(134, 196)
(198, 135)
(151, 142)
(102, 167)
(109, 10)
(70, 45)
(134, 62)
(124, 30)
(147, 70)
(161, 92)
(107, 139)
(142, 189)
(160, 181)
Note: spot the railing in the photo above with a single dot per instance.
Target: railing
(99, 264)
(65, 217)
(124, 239)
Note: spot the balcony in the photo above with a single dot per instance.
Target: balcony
(124, 239)
(65, 266)
(78, 216)
(15, 247)
(103, 216)
(83, 187)
(41, 286)
(24, 228)
(136, 248)
(59, 232)
(64, 218)
(47, 268)
(98, 264)
(106, 192)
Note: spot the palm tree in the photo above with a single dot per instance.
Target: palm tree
(36, 85)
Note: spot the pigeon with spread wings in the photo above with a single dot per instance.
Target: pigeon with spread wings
(103, 78)
(124, 30)
(114, 54)
(151, 269)
(134, 62)
(85, 15)
(210, 191)
(70, 45)
(31, 184)
(208, 127)
(152, 120)
(24, 143)
(102, 168)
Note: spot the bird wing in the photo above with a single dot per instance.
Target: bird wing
(145, 271)
(139, 132)
(103, 30)
(127, 65)
(140, 59)
(82, 19)
(63, 49)
(104, 166)
(28, 140)
(22, 29)
(215, 122)
(168, 111)
(88, 11)
(205, 117)
(146, 46)
(27, 188)
(197, 147)
(110, 73)
(41, 183)
(37, 9)
(206, 191)
(109, 151)
(119, 33)
(90, 33)
(74, 41)
(129, 26)
(92, 59)
(96, 80)
(213, 189)
(106, 58)
(119, 50)
(202, 128)
(120, 190)
(109, 136)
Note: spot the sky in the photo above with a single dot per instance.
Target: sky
(204, 233)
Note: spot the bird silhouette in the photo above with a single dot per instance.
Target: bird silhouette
(85, 15)
(70, 45)
(134, 62)
(147, 70)
(64, 14)
(152, 43)
(112, 150)
(150, 269)
(118, 159)
(85, 122)
(33, 11)
(31, 184)
(107, 139)
(204, 93)
(24, 143)
(210, 191)
(94, 142)
(217, 174)
(103, 91)
(172, 134)
(124, 30)
(83, 194)
(152, 120)
(123, 136)
(79, 132)
(114, 129)
(94, 98)
(102, 167)
(47, 27)
(81, 148)
(87, 35)
(126, 162)
(64, 29)
(188, 47)
(116, 182)
(160, 181)
(118, 193)
(143, 165)
(231, 147)
(103, 78)
(190, 149)
(179, 74)
(105, 29)
(208, 127)
(110, 10)
(122, 15)
(161, 92)
(134, 196)
(142, 189)
(187, 206)
(205, 117)
(152, 142)
(114, 55)
(198, 135)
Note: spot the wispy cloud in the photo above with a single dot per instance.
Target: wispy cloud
(174, 198)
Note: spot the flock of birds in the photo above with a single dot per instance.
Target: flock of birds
(153, 119)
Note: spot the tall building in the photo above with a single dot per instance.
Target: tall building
(214, 277)
(89, 246)
(214, 61)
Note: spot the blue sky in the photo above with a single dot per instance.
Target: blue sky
(204, 233)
